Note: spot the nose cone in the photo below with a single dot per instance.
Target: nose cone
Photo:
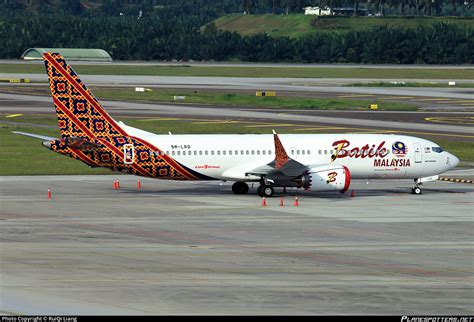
(453, 160)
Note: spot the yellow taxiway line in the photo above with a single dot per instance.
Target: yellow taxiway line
(396, 98)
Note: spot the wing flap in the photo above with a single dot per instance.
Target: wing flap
(291, 169)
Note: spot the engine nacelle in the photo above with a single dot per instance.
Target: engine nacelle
(327, 178)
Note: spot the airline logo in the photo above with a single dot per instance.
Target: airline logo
(377, 153)
(399, 149)
(366, 151)
(207, 166)
(331, 177)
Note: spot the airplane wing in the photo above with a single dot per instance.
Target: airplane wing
(282, 165)
(37, 136)
(289, 172)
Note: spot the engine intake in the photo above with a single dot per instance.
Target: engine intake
(327, 178)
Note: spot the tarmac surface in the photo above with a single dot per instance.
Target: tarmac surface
(195, 248)
(325, 85)
(455, 126)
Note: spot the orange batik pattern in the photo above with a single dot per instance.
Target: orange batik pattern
(89, 134)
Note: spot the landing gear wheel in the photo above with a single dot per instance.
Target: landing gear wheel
(416, 191)
(240, 188)
(265, 191)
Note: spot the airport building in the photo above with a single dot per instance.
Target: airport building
(74, 54)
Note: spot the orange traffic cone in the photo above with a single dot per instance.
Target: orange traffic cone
(139, 184)
(118, 184)
(353, 194)
(49, 194)
(264, 202)
(281, 202)
(296, 202)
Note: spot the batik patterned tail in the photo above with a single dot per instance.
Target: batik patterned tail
(79, 113)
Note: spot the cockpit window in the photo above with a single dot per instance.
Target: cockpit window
(437, 149)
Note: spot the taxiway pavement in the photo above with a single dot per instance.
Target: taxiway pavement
(19, 103)
(195, 248)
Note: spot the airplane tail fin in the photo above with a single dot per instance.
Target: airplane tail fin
(78, 111)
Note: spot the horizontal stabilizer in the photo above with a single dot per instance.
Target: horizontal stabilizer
(37, 136)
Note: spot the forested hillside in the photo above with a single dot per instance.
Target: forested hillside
(179, 29)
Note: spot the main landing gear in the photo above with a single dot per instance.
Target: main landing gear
(240, 188)
(265, 190)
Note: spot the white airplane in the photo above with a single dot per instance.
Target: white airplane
(318, 162)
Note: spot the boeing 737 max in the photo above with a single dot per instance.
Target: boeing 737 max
(318, 162)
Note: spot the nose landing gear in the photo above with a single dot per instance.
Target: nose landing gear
(416, 190)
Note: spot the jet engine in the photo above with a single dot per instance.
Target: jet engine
(326, 178)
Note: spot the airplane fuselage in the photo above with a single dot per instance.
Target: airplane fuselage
(226, 157)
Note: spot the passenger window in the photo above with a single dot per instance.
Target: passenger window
(218, 152)
(258, 152)
(200, 152)
(206, 152)
(172, 152)
(298, 152)
(247, 152)
(212, 152)
(264, 152)
(309, 151)
(302, 152)
(253, 152)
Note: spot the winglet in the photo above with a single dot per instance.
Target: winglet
(281, 157)
(336, 153)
